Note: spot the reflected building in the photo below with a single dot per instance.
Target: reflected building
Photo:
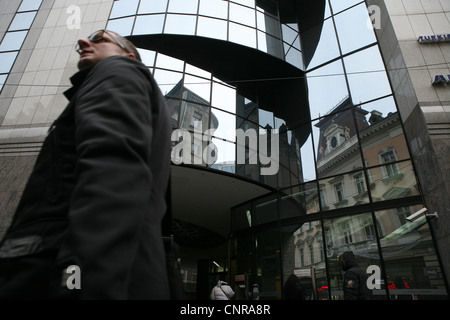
(354, 156)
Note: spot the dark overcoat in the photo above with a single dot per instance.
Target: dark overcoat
(96, 196)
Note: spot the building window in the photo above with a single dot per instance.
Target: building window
(347, 234)
(339, 189)
(391, 169)
(311, 254)
(14, 37)
(359, 183)
(196, 120)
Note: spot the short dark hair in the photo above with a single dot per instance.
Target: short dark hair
(128, 45)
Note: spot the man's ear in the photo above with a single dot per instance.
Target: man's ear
(131, 55)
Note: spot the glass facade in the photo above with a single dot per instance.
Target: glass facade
(343, 174)
(15, 36)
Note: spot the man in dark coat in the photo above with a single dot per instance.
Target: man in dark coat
(88, 225)
(355, 279)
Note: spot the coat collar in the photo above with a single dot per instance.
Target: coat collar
(77, 79)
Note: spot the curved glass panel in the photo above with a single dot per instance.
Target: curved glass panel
(180, 24)
(150, 24)
(212, 28)
(122, 26)
(183, 6)
(152, 6)
(242, 35)
(214, 8)
(243, 15)
(124, 8)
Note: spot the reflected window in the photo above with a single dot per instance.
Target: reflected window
(339, 191)
(392, 169)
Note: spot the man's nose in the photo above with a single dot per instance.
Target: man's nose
(83, 43)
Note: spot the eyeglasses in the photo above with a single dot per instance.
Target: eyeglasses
(98, 36)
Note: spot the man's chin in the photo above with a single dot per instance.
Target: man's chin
(83, 63)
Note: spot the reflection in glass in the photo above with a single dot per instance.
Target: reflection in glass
(356, 234)
(382, 136)
(242, 15)
(343, 191)
(242, 35)
(223, 97)
(183, 6)
(299, 200)
(226, 125)
(393, 180)
(366, 75)
(6, 61)
(149, 24)
(339, 5)
(180, 24)
(122, 26)
(329, 79)
(269, 44)
(327, 48)
(303, 256)
(124, 8)
(147, 56)
(169, 82)
(354, 28)
(337, 147)
(412, 266)
(13, 40)
(200, 87)
(226, 155)
(212, 28)
(152, 6)
(167, 62)
(214, 8)
(267, 259)
(22, 21)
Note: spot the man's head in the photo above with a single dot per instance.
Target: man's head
(102, 44)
